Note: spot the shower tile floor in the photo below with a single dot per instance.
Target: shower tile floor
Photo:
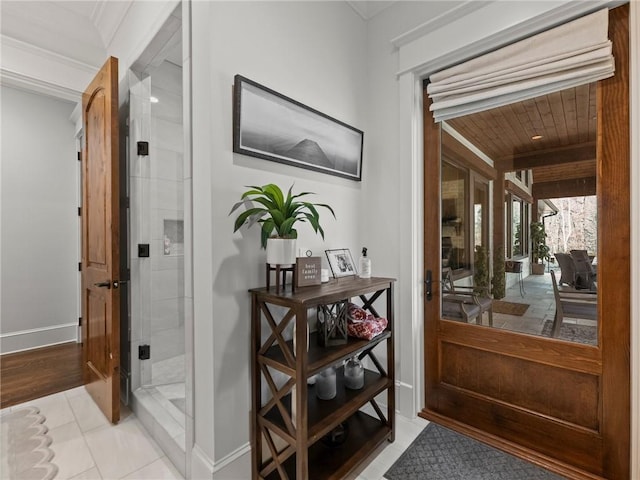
(161, 407)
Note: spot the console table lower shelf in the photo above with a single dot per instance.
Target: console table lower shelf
(334, 463)
(365, 432)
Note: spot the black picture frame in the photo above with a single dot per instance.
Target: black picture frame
(271, 126)
(341, 262)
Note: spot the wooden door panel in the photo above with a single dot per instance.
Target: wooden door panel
(97, 332)
(513, 384)
(537, 349)
(548, 442)
(101, 241)
(97, 178)
(563, 405)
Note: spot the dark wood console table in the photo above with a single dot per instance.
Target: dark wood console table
(304, 455)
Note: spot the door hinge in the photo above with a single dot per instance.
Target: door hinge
(144, 352)
(143, 250)
(79, 156)
(79, 211)
(143, 148)
(80, 321)
(79, 266)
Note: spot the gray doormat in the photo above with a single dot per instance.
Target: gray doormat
(442, 454)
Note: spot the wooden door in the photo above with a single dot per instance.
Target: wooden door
(100, 241)
(561, 405)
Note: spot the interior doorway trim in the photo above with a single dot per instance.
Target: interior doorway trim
(411, 155)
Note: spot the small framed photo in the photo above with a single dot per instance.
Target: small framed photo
(341, 262)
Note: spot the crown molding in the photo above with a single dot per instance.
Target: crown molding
(439, 21)
(367, 9)
(34, 85)
(108, 17)
(11, 42)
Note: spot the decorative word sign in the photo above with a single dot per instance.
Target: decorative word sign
(307, 271)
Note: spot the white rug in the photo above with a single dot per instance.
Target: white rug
(24, 446)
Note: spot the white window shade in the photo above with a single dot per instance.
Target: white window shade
(572, 54)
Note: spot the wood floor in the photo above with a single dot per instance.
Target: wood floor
(36, 373)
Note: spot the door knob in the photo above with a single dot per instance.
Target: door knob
(103, 284)
(429, 285)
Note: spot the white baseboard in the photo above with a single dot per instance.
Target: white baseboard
(235, 466)
(405, 400)
(202, 467)
(38, 337)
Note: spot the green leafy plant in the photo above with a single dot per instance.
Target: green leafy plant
(498, 281)
(517, 242)
(481, 270)
(276, 213)
(539, 248)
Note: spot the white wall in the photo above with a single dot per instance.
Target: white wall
(386, 223)
(314, 52)
(39, 222)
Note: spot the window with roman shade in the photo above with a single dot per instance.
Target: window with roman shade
(570, 55)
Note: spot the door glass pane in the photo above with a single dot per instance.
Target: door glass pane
(480, 217)
(498, 266)
(455, 252)
(516, 226)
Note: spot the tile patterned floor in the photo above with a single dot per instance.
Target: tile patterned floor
(381, 460)
(87, 447)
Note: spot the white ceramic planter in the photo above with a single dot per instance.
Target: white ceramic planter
(281, 251)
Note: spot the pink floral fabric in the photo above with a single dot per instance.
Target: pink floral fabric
(361, 324)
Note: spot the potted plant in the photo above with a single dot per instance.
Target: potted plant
(481, 271)
(539, 248)
(498, 284)
(278, 216)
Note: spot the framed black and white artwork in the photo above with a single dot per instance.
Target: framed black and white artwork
(274, 127)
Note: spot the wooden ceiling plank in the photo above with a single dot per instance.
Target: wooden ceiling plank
(569, 101)
(555, 156)
(550, 173)
(528, 127)
(454, 150)
(511, 127)
(557, 110)
(492, 122)
(536, 121)
(544, 109)
(472, 130)
(593, 113)
(516, 117)
(503, 134)
(582, 112)
(576, 187)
